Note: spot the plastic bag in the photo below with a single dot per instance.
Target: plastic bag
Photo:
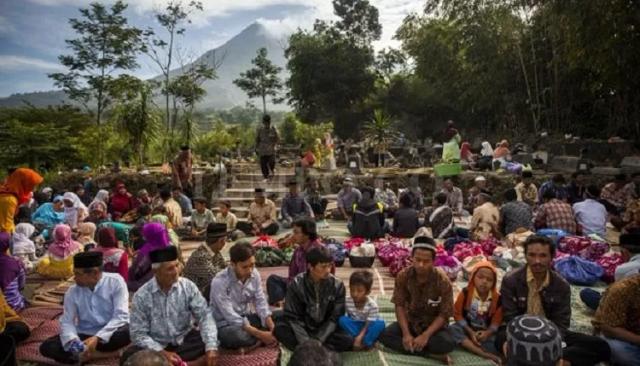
(265, 241)
(353, 242)
(451, 151)
(609, 262)
(338, 252)
(553, 234)
(579, 271)
(364, 250)
(390, 252)
(269, 257)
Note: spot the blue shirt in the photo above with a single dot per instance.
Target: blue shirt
(591, 215)
(97, 313)
(561, 192)
(346, 199)
(159, 319)
(295, 206)
(185, 204)
(232, 301)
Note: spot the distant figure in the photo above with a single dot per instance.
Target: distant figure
(183, 170)
(267, 138)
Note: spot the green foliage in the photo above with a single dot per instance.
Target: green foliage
(358, 19)
(262, 80)
(288, 129)
(115, 147)
(379, 131)
(106, 44)
(222, 139)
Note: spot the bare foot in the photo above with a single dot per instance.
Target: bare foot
(445, 359)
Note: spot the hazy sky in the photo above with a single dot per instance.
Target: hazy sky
(32, 32)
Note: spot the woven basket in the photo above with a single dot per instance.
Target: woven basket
(361, 262)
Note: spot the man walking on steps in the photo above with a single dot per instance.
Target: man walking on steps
(266, 140)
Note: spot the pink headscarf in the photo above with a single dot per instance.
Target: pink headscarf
(63, 246)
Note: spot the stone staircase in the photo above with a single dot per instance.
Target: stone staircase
(245, 177)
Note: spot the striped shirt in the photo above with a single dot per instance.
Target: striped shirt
(368, 312)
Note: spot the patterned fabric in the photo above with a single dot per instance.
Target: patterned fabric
(560, 192)
(266, 140)
(620, 307)
(556, 214)
(99, 312)
(528, 194)
(232, 301)
(514, 215)
(534, 301)
(387, 197)
(368, 312)
(441, 221)
(174, 212)
(617, 197)
(485, 220)
(160, 319)
(423, 301)
(203, 265)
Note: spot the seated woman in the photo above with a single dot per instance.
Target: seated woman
(15, 191)
(115, 259)
(121, 202)
(74, 210)
(102, 198)
(49, 214)
(86, 235)
(98, 213)
(58, 262)
(156, 237)
(12, 275)
(23, 247)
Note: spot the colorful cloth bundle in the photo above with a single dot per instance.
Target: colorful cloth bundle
(448, 263)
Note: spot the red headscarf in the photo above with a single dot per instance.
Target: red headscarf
(21, 184)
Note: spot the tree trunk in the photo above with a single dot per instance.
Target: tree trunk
(264, 104)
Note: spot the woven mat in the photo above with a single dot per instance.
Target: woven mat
(262, 356)
(35, 316)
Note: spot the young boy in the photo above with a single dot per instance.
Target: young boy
(362, 321)
(478, 313)
(201, 217)
(225, 216)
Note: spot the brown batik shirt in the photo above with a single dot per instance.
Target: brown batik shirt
(424, 302)
(619, 307)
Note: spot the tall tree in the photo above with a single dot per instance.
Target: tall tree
(262, 80)
(106, 45)
(172, 20)
(358, 19)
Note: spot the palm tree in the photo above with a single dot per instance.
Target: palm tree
(380, 132)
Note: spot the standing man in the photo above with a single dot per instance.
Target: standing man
(95, 321)
(536, 289)
(183, 171)
(267, 140)
(423, 299)
(164, 310)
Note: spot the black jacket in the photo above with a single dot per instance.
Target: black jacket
(312, 309)
(368, 220)
(556, 298)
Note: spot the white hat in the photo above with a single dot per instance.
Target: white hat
(480, 179)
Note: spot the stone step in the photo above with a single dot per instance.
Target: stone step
(257, 177)
(241, 212)
(275, 184)
(244, 201)
(250, 192)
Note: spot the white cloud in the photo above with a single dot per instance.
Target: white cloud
(14, 63)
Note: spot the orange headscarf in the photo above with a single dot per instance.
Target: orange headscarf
(21, 183)
(494, 290)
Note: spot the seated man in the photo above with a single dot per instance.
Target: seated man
(207, 260)
(485, 221)
(262, 217)
(313, 197)
(591, 215)
(536, 289)
(414, 192)
(617, 318)
(294, 206)
(423, 298)
(526, 191)
(405, 219)
(306, 236)
(201, 217)
(556, 185)
(515, 214)
(387, 197)
(613, 195)
(368, 217)
(555, 214)
(163, 314)
(238, 303)
(347, 197)
(440, 217)
(314, 303)
(96, 315)
(455, 199)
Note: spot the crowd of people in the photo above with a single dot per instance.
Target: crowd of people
(116, 245)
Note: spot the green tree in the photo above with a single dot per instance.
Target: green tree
(262, 80)
(106, 45)
(138, 118)
(172, 20)
(379, 132)
(358, 19)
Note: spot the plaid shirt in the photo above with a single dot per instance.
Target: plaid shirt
(514, 215)
(618, 197)
(556, 214)
(368, 312)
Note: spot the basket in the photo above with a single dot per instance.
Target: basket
(447, 169)
(361, 262)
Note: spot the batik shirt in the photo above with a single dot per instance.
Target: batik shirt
(159, 320)
(203, 265)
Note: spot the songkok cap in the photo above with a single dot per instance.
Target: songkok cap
(424, 242)
(87, 260)
(533, 340)
(167, 254)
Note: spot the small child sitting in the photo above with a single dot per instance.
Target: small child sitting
(478, 313)
(362, 321)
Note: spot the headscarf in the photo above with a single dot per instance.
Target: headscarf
(465, 151)
(494, 291)
(63, 245)
(22, 243)
(9, 267)
(87, 232)
(71, 213)
(155, 237)
(102, 197)
(121, 203)
(487, 150)
(107, 237)
(47, 215)
(21, 184)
